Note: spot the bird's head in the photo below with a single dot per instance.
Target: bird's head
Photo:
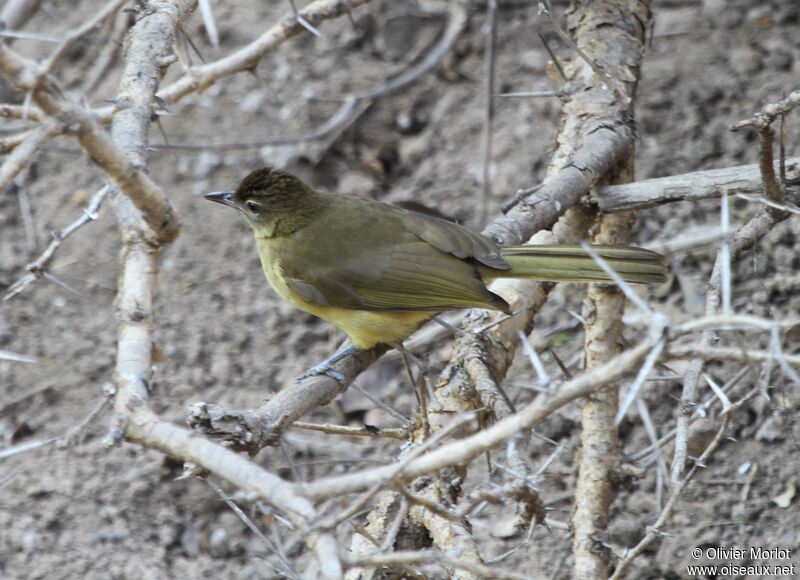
(273, 201)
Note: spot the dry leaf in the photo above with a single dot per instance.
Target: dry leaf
(784, 499)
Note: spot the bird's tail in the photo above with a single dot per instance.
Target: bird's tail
(573, 264)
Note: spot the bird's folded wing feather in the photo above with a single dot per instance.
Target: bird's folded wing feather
(454, 239)
(410, 274)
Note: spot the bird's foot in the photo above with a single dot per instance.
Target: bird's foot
(322, 368)
(326, 367)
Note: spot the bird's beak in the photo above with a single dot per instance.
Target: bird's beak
(223, 197)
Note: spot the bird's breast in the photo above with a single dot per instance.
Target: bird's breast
(366, 328)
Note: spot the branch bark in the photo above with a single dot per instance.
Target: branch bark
(695, 186)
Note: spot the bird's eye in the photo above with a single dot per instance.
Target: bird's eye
(252, 206)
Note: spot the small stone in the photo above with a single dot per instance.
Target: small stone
(533, 61)
(218, 543)
(30, 542)
(43, 488)
(744, 60)
(252, 101)
(189, 541)
(731, 18)
(108, 512)
(167, 535)
(779, 60)
(97, 538)
(772, 430)
(379, 418)
(205, 162)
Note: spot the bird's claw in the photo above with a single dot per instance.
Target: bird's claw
(322, 369)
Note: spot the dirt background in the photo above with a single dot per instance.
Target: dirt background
(92, 512)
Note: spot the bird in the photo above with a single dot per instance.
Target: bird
(378, 271)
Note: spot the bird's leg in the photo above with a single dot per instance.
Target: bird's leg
(326, 366)
(444, 324)
(418, 387)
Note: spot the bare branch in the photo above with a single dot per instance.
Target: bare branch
(23, 154)
(603, 309)
(73, 37)
(16, 13)
(488, 111)
(14, 357)
(365, 431)
(461, 451)
(135, 183)
(37, 267)
(770, 112)
(201, 77)
(435, 557)
(743, 179)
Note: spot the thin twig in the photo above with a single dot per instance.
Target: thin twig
(455, 25)
(24, 153)
(365, 431)
(202, 77)
(14, 357)
(656, 529)
(303, 22)
(346, 114)
(546, 9)
(72, 38)
(271, 546)
(37, 267)
(209, 22)
(434, 557)
(488, 111)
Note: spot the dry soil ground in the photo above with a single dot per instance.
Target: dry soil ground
(93, 512)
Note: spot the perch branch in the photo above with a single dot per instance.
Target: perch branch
(463, 450)
(604, 137)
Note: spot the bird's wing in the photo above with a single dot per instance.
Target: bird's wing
(410, 274)
(454, 239)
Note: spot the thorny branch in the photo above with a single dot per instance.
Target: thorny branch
(743, 239)
(37, 268)
(483, 358)
(201, 77)
(604, 139)
(132, 180)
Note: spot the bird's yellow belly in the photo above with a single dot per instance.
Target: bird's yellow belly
(366, 328)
